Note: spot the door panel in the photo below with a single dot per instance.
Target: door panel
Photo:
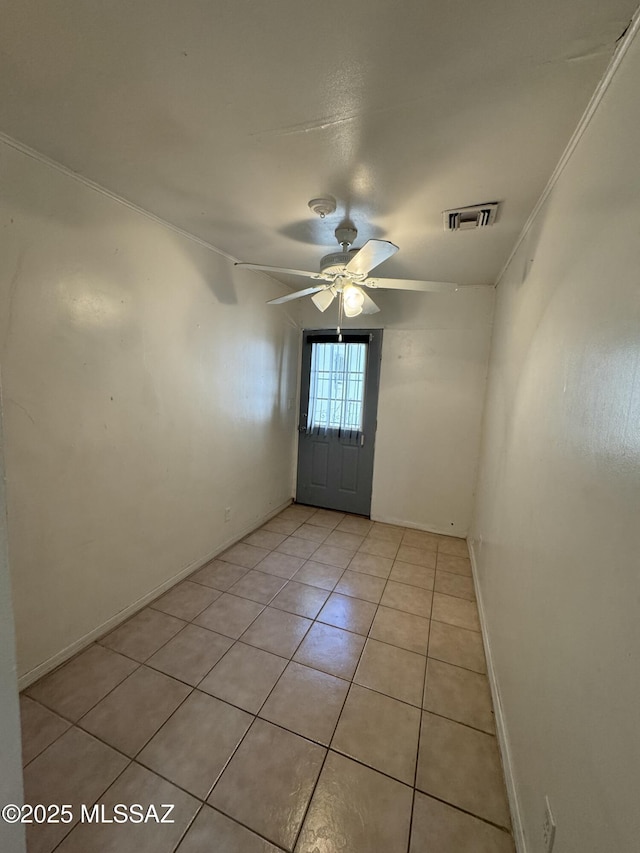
(349, 469)
(319, 463)
(338, 413)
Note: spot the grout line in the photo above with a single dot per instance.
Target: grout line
(466, 811)
(235, 820)
(93, 802)
(422, 712)
(57, 738)
(187, 828)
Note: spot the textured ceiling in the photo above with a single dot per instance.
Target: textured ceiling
(225, 117)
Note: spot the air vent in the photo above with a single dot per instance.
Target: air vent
(475, 216)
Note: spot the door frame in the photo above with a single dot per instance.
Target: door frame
(373, 337)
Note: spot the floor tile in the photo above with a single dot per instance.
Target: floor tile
(307, 702)
(401, 629)
(379, 547)
(393, 671)
(313, 533)
(459, 694)
(265, 539)
(348, 541)
(367, 587)
(439, 828)
(229, 836)
(195, 744)
(411, 599)
(369, 564)
(129, 716)
(364, 811)
(354, 524)
(280, 565)
(457, 646)
(412, 575)
(269, 781)
(186, 600)
(452, 546)
(331, 650)
(458, 585)
(190, 654)
(258, 586)
(40, 727)
(76, 769)
(135, 785)
(297, 512)
(277, 631)
(456, 565)
(352, 614)
(218, 575)
(244, 555)
(455, 611)
(229, 615)
(379, 731)
(421, 539)
(244, 677)
(143, 634)
(333, 556)
(318, 574)
(296, 547)
(301, 599)
(78, 685)
(461, 766)
(416, 556)
(390, 532)
(326, 518)
(281, 525)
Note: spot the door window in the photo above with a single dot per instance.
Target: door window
(336, 387)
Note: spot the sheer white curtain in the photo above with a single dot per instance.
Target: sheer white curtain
(336, 388)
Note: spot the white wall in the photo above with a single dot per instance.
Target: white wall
(558, 508)
(11, 790)
(147, 387)
(435, 349)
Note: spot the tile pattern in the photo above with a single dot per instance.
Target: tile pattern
(320, 685)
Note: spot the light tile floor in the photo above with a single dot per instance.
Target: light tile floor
(320, 687)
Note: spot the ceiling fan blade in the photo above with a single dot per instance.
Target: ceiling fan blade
(369, 306)
(306, 273)
(409, 284)
(373, 253)
(297, 295)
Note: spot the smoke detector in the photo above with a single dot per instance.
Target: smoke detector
(323, 206)
(474, 216)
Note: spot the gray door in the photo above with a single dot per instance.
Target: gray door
(338, 412)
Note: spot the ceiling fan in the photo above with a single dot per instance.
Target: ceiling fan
(345, 274)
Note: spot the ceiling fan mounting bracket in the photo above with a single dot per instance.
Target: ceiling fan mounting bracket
(345, 235)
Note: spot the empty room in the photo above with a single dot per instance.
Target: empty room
(319, 426)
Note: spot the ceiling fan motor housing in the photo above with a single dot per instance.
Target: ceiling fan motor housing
(336, 261)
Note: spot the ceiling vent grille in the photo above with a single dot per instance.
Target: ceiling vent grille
(466, 218)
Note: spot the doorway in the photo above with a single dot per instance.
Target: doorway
(338, 415)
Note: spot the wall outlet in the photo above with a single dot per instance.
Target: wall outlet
(548, 827)
(227, 513)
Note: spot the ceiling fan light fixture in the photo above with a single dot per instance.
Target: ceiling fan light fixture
(323, 299)
(352, 300)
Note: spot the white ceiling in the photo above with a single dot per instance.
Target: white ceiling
(225, 117)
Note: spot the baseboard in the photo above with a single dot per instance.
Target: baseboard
(77, 646)
(426, 528)
(501, 728)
